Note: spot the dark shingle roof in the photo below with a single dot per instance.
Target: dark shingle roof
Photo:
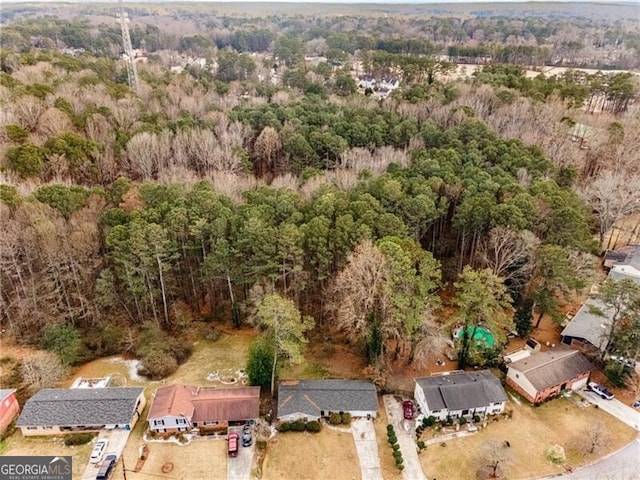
(80, 406)
(552, 367)
(312, 396)
(462, 390)
(588, 325)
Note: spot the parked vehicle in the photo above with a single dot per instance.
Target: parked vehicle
(98, 450)
(232, 444)
(246, 436)
(600, 390)
(408, 409)
(106, 469)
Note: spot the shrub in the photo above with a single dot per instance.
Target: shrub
(449, 420)
(616, 373)
(284, 427)
(313, 426)
(389, 428)
(462, 421)
(298, 426)
(395, 447)
(392, 439)
(428, 421)
(476, 418)
(346, 418)
(335, 419)
(78, 439)
(397, 454)
(261, 444)
(421, 445)
(157, 364)
(182, 438)
(260, 362)
(399, 460)
(400, 467)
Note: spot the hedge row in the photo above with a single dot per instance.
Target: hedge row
(300, 426)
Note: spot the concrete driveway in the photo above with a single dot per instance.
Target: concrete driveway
(364, 436)
(406, 438)
(239, 468)
(117, 440)
(615, 408)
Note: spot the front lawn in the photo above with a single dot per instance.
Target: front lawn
(530, 432)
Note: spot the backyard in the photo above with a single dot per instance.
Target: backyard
(530, 432)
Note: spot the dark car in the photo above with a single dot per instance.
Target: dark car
(232, 444)
(106, 469)
(408, 410)
(246, 436)
(600, 390)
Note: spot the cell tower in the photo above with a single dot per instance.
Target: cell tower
(132, 73)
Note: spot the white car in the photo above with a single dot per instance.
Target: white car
(600, 391)
(98, 450)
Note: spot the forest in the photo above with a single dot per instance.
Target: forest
(135, 217)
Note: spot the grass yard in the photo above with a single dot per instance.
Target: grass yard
(16, 444)
(530, 432)
(329, 454)
(224, 356)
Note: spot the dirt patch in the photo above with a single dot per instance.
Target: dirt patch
(530, 433)
(328, 454)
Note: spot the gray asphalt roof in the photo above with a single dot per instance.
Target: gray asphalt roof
(588, 325)
(462, 390)
(80, 406)
(312, 396)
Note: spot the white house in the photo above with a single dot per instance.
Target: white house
(460, 394)
(53, 411)
(314, 399)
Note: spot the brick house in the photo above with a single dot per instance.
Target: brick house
(543, 375)
(181, 408)
(9, 409)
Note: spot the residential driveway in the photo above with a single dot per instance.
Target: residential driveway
(367, 448)
(239, 468)
(117, 441)
(406, 439)
(615, 408)
(622, 465)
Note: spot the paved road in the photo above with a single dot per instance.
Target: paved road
(406, 439)
(615, 408)
(117, 441)
(239, 468)
(367, 448)
(622, 465)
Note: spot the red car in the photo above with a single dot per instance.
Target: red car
(407, 408)
(232, 447)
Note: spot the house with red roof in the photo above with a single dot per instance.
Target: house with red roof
(182, 408)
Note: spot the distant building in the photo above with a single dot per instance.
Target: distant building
(54, 411)
(460, 394)
(543, 375)
(315, 399)
(182, 408)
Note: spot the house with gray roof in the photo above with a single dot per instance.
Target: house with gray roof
(589, 327)
(460, 394)
(314, 399)
(544, 375)
(54, 411)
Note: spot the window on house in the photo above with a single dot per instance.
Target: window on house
(32, 428)
(158, 422)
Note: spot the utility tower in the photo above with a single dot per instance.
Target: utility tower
(132, 73)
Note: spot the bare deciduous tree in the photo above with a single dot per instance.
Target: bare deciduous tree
(495, 457)
(509, 254)
(42, 370)
(27, 111)
(267, 148)
(592, 438)
(613, 196)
